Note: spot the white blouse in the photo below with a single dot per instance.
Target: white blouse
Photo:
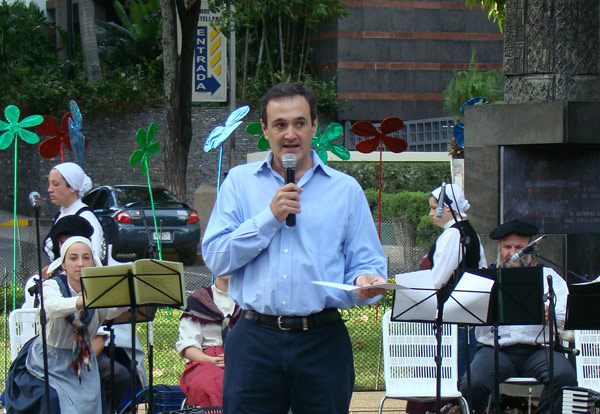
(59, 332)
(205, 335)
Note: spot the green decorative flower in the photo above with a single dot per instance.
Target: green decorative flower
(255, 128)
(147, 146)
(14, 127)
(322, 142)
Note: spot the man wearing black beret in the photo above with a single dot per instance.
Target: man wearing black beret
(521, 353)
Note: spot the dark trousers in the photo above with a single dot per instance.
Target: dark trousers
(522, 361)
(120, 383)
(267, 370)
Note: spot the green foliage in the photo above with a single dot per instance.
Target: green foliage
(6, 294)
(274, 43)
(410, 206)
(466, 84)
(34, 80)
(396, 176)
(496, 10)
(138, 38)
(326, 91)
(23, 37)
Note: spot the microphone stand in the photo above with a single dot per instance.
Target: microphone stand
(36, 209)
(463, 248)
(551, 322)
(577, 276)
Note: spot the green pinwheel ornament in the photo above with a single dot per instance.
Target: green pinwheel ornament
(147, 146)
(323, 142)
(145, 141)
(14, 127)
(255, 128)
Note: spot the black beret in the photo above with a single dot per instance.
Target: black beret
(514, 226)
(72, 226)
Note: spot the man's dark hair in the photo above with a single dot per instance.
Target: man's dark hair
(289, 90)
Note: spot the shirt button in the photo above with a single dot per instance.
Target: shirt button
(274, 228)
(260, 249)
(285, 250)
(284, 277)
(284, 303)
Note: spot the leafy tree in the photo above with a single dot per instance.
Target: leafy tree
(276, 40)
(137, 38)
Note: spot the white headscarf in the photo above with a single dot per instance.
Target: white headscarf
(63, 252)
(75, 177)
(454, 193)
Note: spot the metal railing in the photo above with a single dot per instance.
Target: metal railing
(422, 135)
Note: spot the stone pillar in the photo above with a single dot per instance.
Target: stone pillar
(552, 51)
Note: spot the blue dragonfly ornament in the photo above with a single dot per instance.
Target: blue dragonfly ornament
(76, 136)
(220, 133)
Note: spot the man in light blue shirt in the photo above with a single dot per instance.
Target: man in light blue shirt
(290, 348)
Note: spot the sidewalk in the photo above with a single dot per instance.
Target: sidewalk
(368, 402)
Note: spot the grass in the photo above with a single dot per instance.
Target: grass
(363, 323)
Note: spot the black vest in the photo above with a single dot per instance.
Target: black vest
(471, 242)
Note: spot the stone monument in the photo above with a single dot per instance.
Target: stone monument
(537, 156)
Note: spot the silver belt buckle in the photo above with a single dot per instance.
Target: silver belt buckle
(279, 324)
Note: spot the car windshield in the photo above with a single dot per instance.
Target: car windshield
(126, 195)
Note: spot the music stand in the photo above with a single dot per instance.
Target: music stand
(145, 282)
(421, 302)
(517, 299)
(144, 314)
(583, 305)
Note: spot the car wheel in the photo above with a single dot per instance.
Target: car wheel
(188, 256)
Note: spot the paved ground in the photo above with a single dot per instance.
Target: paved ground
(368, 402)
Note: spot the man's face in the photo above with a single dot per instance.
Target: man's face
(290, 131)
(510, 245)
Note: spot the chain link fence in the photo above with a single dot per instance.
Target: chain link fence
(364, 322)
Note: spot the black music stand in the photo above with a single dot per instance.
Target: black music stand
(144, 314)
(517, 299)
(145, 282)
(446, 305)
(583, 306)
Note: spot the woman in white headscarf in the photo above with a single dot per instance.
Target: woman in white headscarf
(67, 183)
(458, 246)
(72, 366)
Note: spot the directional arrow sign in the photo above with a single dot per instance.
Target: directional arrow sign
(210, 60)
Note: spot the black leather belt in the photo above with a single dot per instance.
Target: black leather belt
(294, 323)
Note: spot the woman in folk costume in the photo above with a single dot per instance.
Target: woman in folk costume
(210, 315)
(67, 183)
(72, 366)
(457, 247)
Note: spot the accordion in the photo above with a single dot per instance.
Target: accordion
(579, 400)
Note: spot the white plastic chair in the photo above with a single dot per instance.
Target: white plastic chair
(409, 349)
(22, 325)
(587, 363)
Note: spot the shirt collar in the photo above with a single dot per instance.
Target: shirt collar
(318, 164)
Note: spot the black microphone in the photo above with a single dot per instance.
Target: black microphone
(289, 166)
(526, 250)
(439, 211)
(35, 199)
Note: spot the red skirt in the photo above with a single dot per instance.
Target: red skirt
(202, 382)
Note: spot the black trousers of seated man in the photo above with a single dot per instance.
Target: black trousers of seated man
(518, 361)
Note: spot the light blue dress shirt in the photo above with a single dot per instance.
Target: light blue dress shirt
(272, 266)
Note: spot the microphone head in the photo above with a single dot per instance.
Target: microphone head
(289, 160)
(35, 198)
